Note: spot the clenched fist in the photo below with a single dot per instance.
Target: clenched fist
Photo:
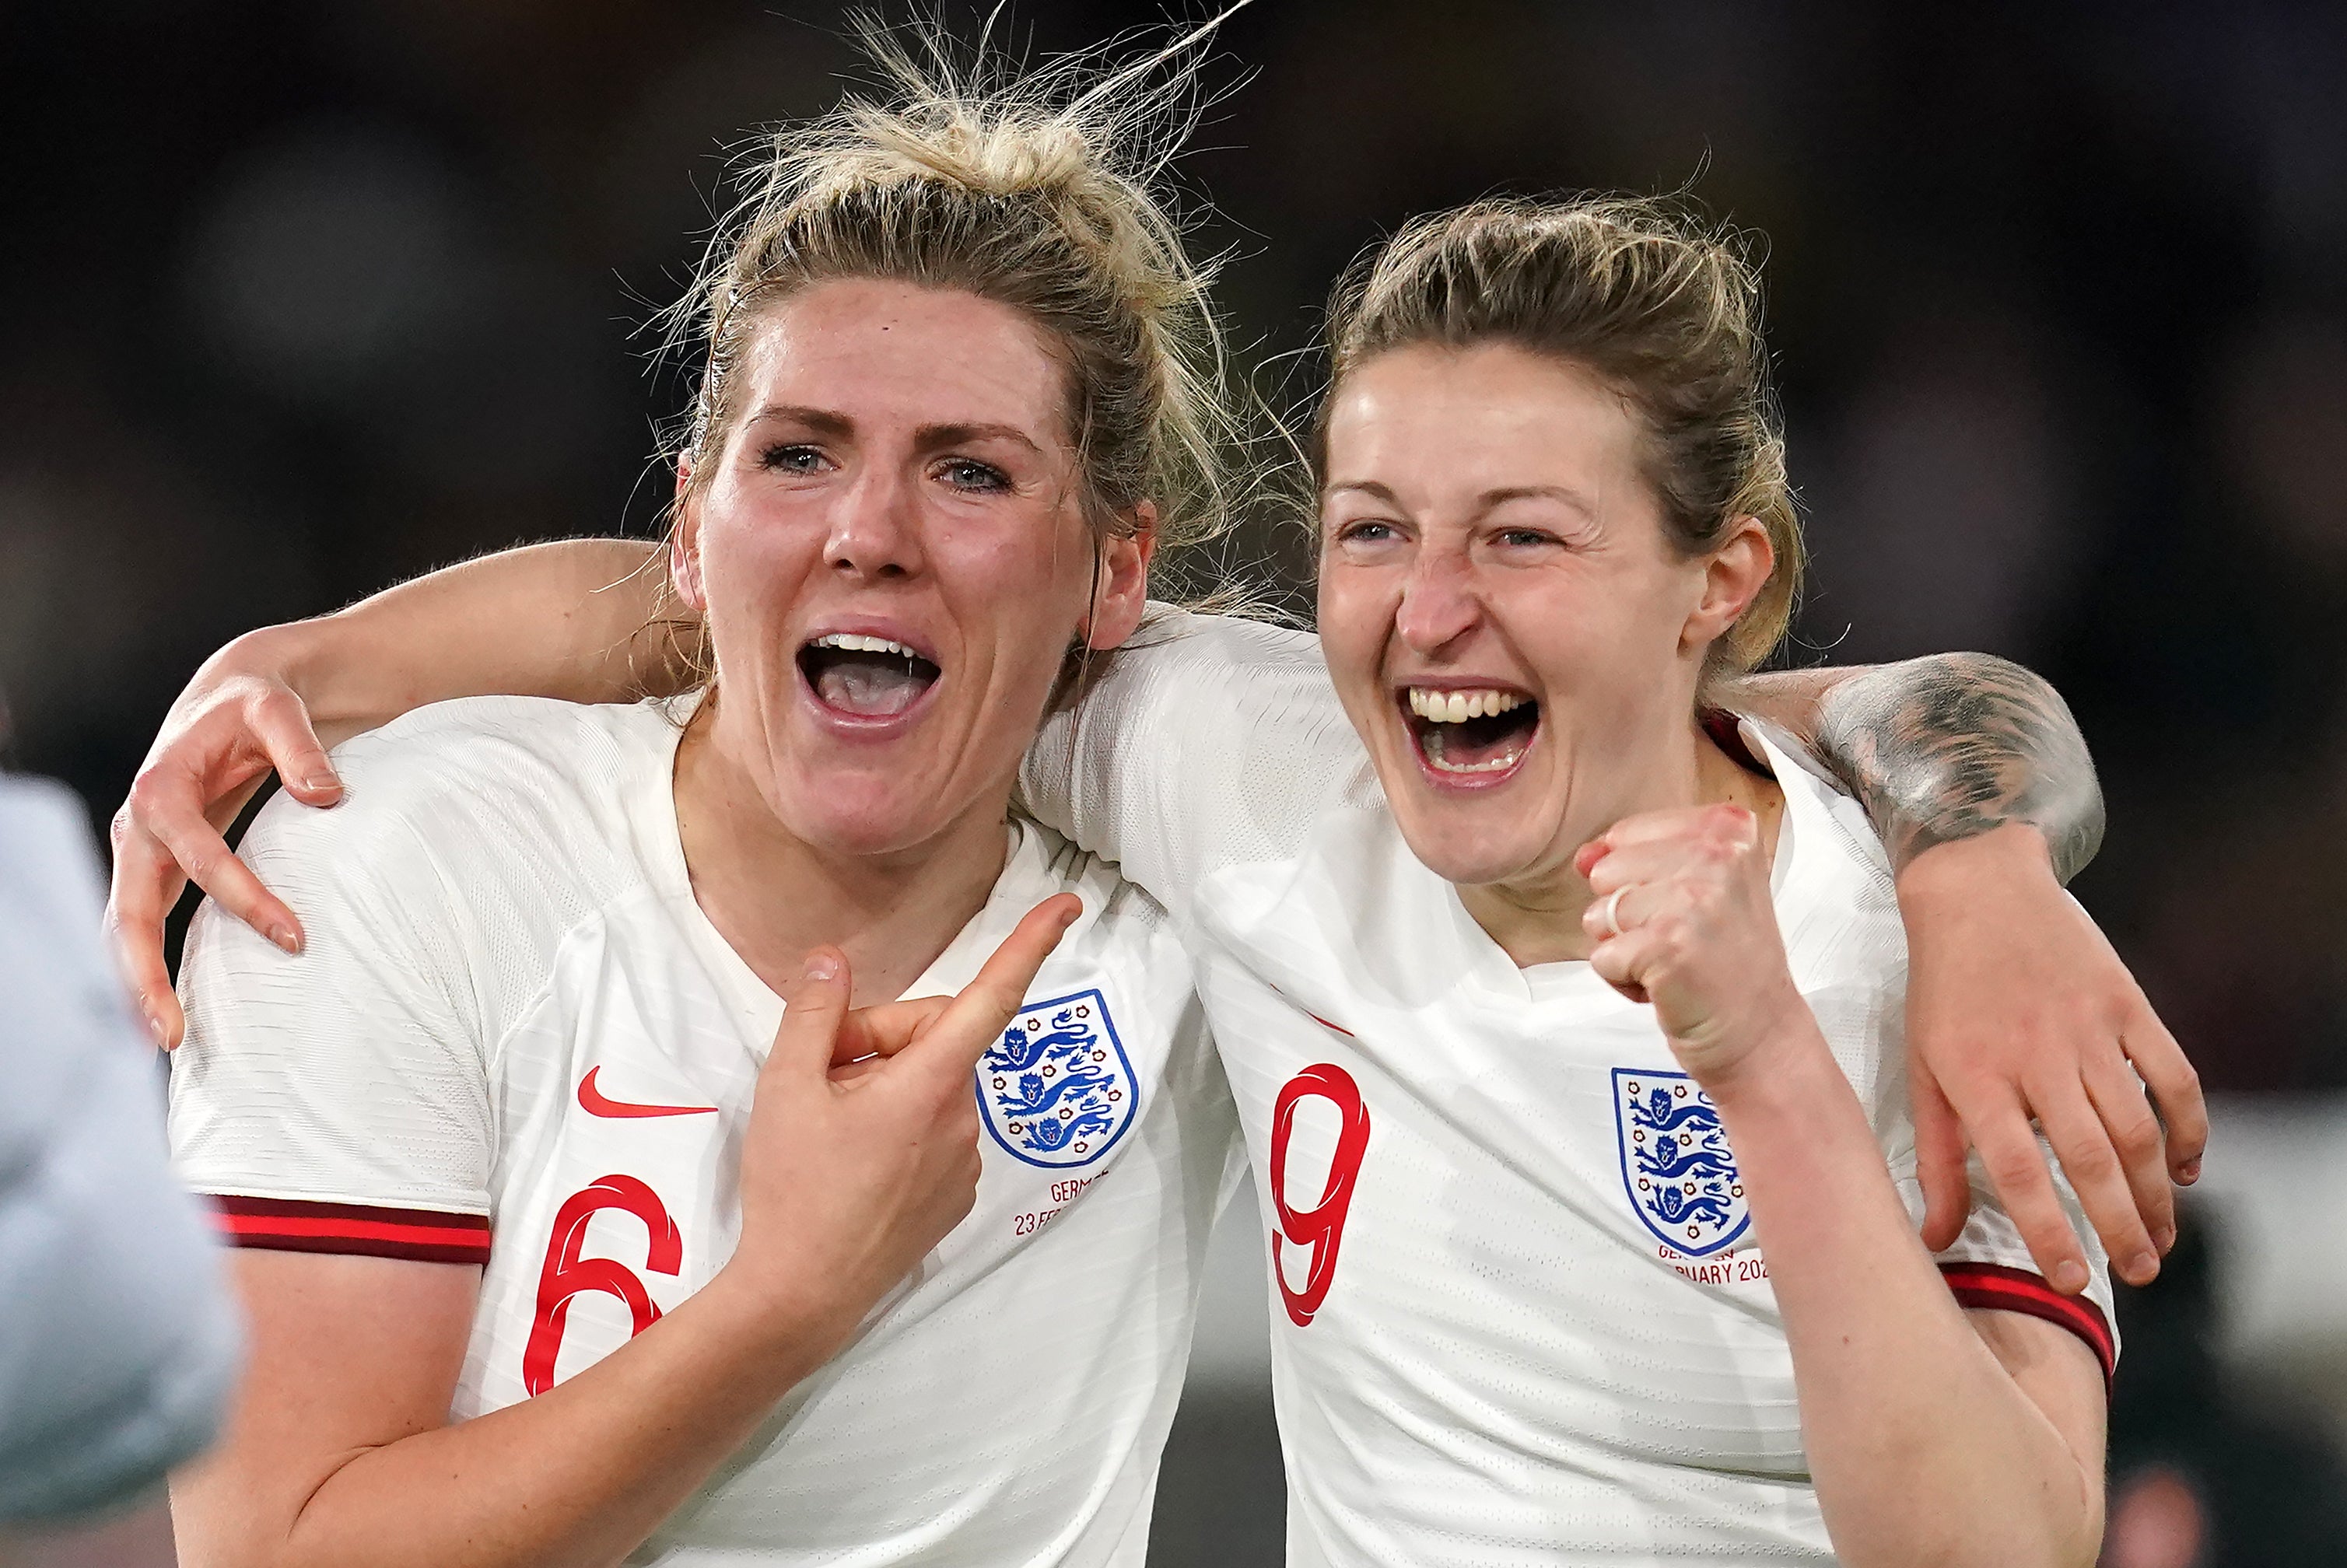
(1682, 918)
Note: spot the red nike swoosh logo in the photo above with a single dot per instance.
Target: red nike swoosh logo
(596, 1103)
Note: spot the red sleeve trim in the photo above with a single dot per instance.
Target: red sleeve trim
(293, 1224)
(1997, 1287)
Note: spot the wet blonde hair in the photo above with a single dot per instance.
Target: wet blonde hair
(1041, 192)
(1662, 307)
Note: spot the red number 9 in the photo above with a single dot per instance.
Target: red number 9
(1321, 1227)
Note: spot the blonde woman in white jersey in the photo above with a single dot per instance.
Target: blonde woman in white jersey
(549, 1258)
(1217, 765)
(1574, 1076)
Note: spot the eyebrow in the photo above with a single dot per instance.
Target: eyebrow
(1491, 499)
(927, 438)
(930, 437)
(1488, 501)
(819, 419)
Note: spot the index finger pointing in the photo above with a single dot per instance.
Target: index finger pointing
(977, 1015)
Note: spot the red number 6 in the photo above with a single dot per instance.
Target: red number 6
(566, 1274)
(1321, 1227)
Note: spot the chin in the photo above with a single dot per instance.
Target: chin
(852, 818)
(1460, 850)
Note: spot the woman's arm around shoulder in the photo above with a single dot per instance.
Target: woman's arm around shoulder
(573, 620)
(1976, 776)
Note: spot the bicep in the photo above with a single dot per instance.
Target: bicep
(346, 1354)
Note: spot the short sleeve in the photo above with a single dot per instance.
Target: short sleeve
(1989, 1266)
(336, 1100)
(118, 1339)
(1211, 741)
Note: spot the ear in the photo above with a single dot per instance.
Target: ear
(1121, 588)
(1734, 573)
(685, 546)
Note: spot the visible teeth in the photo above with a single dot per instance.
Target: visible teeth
(1458, 707)
(854, 642)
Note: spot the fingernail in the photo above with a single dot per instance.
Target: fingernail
(154, 1030)
(2165, 1239)
(823, 966)
(285, 936)
(2142, 1268)
(321, 781)
(2191, 1173)
(2070, 1278)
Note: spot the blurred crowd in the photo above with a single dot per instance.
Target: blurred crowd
(305, 298)
(301, 299)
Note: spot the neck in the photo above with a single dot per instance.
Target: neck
(1536, 918)
(772, 895)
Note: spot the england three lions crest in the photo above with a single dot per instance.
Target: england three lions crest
(1056, 1090)
(1676, 1162)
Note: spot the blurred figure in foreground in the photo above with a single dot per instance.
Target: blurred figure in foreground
(117, 1342)
(2200, 1475)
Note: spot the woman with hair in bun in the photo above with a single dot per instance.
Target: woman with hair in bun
(1575, 1065)
(1494, 965)
(564, 1239)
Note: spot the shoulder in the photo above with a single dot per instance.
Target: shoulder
(471, 782)
(1837, 858)
(499, 752)
(1237, 638)
(1047, 862)
(1181, 655)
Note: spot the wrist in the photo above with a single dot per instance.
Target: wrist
(2010, 853)
(288, 654)
(777, 1323)
(345, 688)
(1781, 1045)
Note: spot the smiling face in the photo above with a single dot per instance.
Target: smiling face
(893, 559)
(1511, 630)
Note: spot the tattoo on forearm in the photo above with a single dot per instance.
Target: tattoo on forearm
(1952, 747)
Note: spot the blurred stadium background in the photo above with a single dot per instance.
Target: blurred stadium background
(299, 299)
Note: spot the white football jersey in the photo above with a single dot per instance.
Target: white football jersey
(1519, 1314)
(514, 1039)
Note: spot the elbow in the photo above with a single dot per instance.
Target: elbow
(1962, 1547)
(2048, 1514)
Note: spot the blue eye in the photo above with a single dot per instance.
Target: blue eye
(1366, 532)
(969, 474)
(791, 458)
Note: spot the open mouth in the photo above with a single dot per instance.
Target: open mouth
(1471, 735)
(865, 677)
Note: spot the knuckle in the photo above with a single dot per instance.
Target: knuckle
(2140, 1136)
(2015, 1168)
(2095, 1166)
(142, 798)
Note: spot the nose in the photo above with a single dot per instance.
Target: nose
(1438, 601)
(876, 530)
